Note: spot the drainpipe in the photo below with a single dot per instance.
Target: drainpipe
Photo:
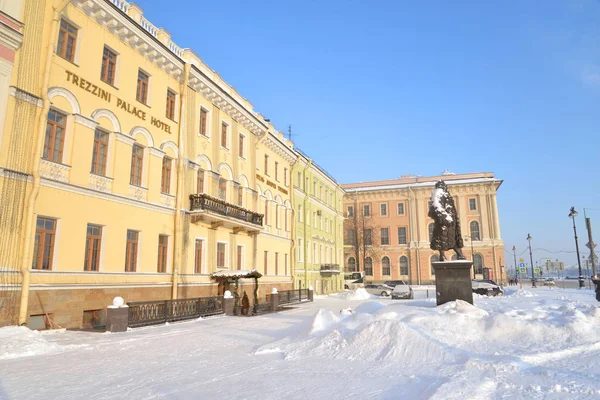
(178, 232)
(41, 129)
(306, 224)
(293, 226)
(416, 216)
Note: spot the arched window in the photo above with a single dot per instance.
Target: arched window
(433, 259)
(368, 266)
(478, 263)
(385, 266)
(351, 264)
(223, 189)
(404, 265)
(430, 231)
(475, 231)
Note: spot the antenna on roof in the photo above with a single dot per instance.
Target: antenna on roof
(290, 132)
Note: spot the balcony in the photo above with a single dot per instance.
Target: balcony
(218, 212)
(330, 269)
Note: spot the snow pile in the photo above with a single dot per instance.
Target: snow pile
(463, 308)
(436, 200)
(19, 341)
(519, 293)
(356, 294)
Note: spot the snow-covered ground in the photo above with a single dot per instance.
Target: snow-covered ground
(536, 344)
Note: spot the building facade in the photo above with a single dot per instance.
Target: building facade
(318, 200)
(387, 222)
(129, 168)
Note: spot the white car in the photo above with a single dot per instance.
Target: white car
(379, 290)
(402, 291)
(486, 287)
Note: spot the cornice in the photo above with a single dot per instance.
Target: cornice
(144, 42)
(280, 149)
(25, 96)
(121, 137)
(203, 84)
(9, 37)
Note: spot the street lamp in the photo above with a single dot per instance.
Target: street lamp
(531, 261)
(572, 215)
(472, 254)
(514, 249)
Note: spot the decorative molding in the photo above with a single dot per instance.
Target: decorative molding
(167, 200)
(68, 187)
(142, 40)
(121, 137)
(100, 183)
(138, 192)
(54, 171)
(275, 145)
(85, 121)
(157, 152)
(25, 96)
(17, 175)
(108, 115)
(10, 37)
(67, 95)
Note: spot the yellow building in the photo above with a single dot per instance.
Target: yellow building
(129, 168)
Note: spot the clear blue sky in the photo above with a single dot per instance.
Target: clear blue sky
(370, 87)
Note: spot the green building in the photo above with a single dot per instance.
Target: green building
(318, 228)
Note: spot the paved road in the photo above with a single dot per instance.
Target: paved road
(562, 284)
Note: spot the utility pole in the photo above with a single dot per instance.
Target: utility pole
(588, 225)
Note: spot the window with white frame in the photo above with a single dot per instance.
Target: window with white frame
(400, 208)
(383, 209)
(221, 255)
(472, 204)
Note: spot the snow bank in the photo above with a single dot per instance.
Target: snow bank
(356, 294)
(19, 341)
(518, 293)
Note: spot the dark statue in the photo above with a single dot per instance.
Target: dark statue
(446, 228)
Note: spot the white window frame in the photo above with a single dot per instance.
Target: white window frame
(226, 261)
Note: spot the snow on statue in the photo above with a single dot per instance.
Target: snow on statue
(446, 228)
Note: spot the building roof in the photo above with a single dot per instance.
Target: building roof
(422, 181)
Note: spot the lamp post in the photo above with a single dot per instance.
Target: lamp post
(572, 215)
(531, 261)
(514, 249)
(472, 254)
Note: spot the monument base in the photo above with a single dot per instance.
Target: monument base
(453, 281)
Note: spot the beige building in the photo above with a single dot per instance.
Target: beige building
(128, 168)
(387, 221)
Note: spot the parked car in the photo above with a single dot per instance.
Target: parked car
(548, 282)
(486, 287)
(402, 291)
(379, 290)
(394, 283)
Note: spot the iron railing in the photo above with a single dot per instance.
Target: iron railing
(293, 296)
(144, 313)
(218, 206)
(335, 268)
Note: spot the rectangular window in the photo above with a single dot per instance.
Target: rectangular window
(265, 262)
(163, 246)
(240, 196)
(165, 183)
(109, 66)
(285, 261)
(240, 256)
(400, 208)
(285, 176)
(276, 263)
(276, 171)
(314, 188)
(350, 237)
(221, 247)
(67, 39)
(43, 248)
(401, 235)
(171, 96)
(300, 180)
(137, 158)
(472, 204)
(131, 251)
(223, 189)
(368, 237)
(203, 121)
(224, 127)
(350, 211)
(198, 256)
(326, 225)
(100, 152)
(241, 145)
(141, 94)
(385, 237)
(200, 181)
(300, 213)
(383, 209)
(366, 210)
(92, 248)
(55, 136)
(300, 250)
(266, 164)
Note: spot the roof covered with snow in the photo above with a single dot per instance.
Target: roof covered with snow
(238, 274)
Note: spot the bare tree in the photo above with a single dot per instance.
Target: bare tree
(362, 237)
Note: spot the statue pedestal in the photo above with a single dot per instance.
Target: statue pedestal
(453, 281)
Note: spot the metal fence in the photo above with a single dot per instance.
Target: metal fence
(144, 313)
(293, 296)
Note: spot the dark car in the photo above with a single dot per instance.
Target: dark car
(486, 287)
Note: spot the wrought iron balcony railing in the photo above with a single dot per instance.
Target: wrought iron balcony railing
(204, 202)
(330, 269)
